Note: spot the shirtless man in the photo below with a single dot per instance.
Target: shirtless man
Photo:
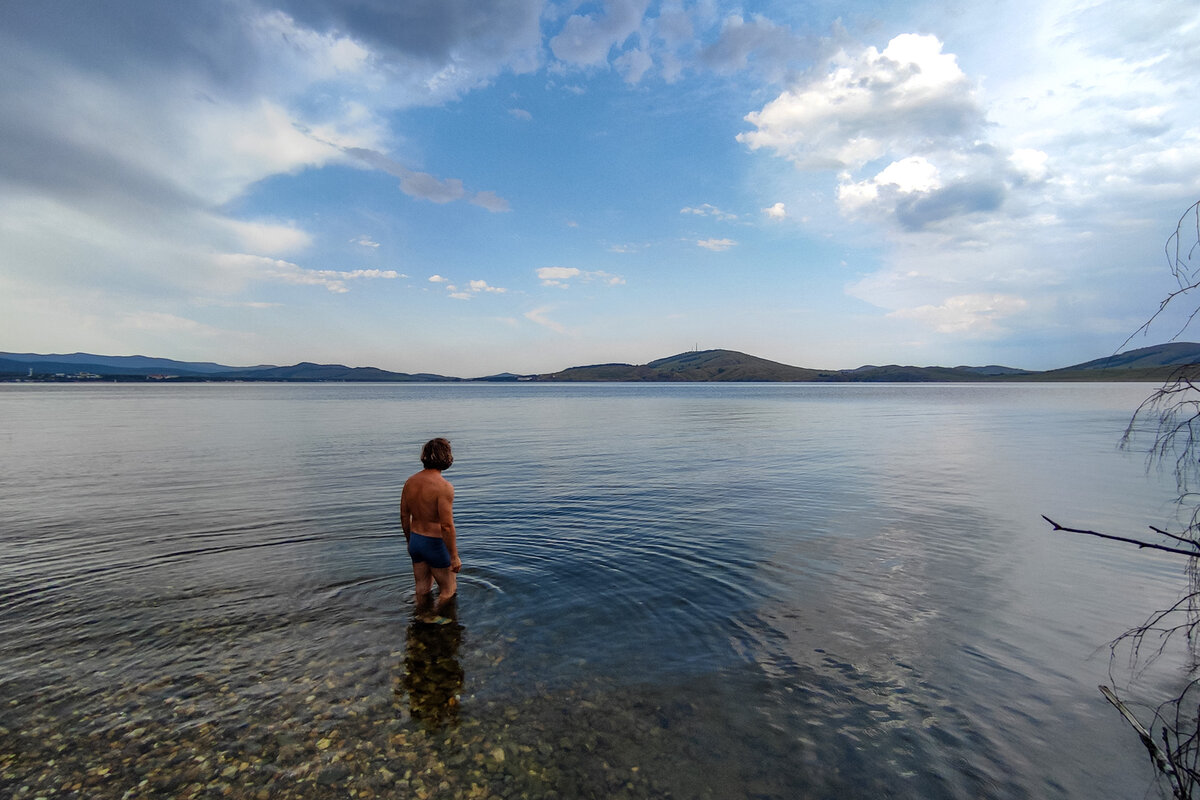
(427, 516)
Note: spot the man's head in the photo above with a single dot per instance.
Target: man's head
(436, 454)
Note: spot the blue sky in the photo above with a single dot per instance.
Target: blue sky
(467, 187)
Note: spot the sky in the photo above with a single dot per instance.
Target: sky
(467, 187)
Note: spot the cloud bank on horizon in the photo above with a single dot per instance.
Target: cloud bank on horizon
(468, 186)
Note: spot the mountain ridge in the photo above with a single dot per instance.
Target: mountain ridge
(1155, 362)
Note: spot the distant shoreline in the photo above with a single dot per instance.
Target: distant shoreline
(1148, 364)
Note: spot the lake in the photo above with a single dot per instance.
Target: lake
(683, 591)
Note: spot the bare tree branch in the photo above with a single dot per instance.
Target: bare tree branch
(1138, 542)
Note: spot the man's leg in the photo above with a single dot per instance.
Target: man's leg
(423, 578)
(447, 583)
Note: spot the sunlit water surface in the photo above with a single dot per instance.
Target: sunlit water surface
(711, 591)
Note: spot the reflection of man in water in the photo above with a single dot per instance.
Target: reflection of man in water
(427, 516)
(433, 676)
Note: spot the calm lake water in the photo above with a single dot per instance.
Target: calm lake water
(685, 591)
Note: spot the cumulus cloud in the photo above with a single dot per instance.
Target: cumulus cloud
(482, 286)
(586, 39)
(870, 103)
(716, 245)
(633, 65)
(437, 279)
(909, 107)
(758, 41)
(777, 211)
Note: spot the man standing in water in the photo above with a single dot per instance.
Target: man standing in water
(427, 516)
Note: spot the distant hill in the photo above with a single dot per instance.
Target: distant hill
(129, 364)
(730, 365)
(1154, 363)
(703, 365)
(307, 371)
(1171, 354)
(83, 366)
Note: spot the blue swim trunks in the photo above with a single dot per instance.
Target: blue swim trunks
(428, 549)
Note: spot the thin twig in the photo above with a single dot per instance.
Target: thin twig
(1183, 539)
(1138, 542)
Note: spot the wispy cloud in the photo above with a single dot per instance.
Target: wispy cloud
(716, 245)
(538, 316)
(425, 186)
(709, 210)
(560, 276)
(263, 268)
(163, 323)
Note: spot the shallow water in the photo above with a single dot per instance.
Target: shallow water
(768, 591)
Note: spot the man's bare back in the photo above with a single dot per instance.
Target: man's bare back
(427, 517)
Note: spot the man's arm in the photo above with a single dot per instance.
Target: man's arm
(446, 519)
(405, 513)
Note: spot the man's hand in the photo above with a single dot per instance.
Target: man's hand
(455, 564)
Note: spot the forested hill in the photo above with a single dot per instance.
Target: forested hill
(702, 365)
(1147, 363)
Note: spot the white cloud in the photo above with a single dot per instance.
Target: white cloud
(538, 316)
(757, 42)
(869, 104)
(521, 114)
(910, 106)
(1030, 164)
(777, 211)
(970, 314)
(716, 245)
(586, 39)
(559, 276)
(633, 64)
(365, 241)
(904, 177)
(557, 273)
(708, 210)
(482, 286)
(268, 238)
(437, 279)
(254, 267)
